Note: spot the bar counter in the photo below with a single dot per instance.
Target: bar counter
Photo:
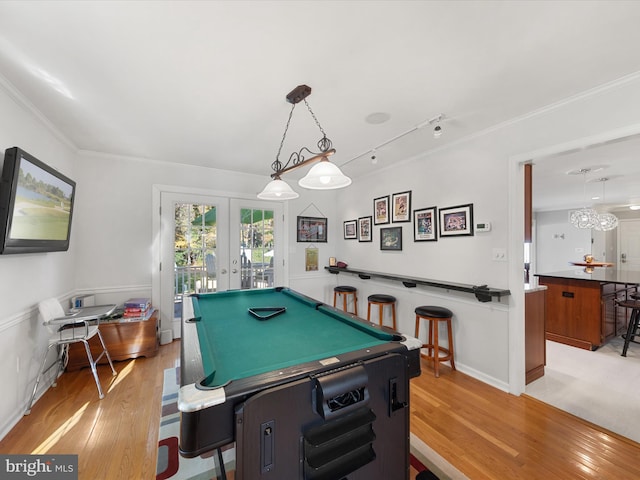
(599, 274)
(581, 308)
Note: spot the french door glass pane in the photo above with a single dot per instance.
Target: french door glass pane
(195, 249)
(256, 248)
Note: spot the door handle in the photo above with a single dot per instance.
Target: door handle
(623, 258)
(223, 271)
(235, 270)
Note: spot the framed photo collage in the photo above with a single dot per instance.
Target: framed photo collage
(429, 223)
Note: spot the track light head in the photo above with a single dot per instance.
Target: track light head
(437, 130)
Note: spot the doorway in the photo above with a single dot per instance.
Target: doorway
(570, 381)
(209, 243)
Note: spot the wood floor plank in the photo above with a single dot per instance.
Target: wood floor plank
(485, 433)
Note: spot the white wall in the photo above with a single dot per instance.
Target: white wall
(558, 242)
(312, 204)
(485, 170)
(26, 279)
(117, 214)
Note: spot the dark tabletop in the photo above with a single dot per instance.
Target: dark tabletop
(599, 274)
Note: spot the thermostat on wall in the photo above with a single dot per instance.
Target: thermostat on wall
(483, 227)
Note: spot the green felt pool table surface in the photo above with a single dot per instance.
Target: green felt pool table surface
(234, 344)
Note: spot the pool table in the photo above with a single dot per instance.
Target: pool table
(289, 382)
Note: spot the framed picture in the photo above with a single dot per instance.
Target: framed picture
(401, 205)
(391, 238)
(456, 221)
(311, 259)
(381, 210)
(350, 229)
(364, 229)
(425, 225)
(312, 229)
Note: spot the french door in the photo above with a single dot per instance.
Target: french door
(210, 243)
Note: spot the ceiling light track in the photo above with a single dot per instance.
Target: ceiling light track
(437, 133)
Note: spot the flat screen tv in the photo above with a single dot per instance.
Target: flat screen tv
(36, 205)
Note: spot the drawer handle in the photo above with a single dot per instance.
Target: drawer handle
(568, 294)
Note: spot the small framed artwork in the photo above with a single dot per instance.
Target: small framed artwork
(425, 225)
(456, 221)
(401, 205)
(391, 238)
(350, 229)
(364, 229)
(312, 229)
(381, 210)
(311, 259)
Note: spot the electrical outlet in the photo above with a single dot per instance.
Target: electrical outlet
(499, 255)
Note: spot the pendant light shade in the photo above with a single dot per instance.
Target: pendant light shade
(277, 190)
(584, 218)
(324, 175)
(606, 222)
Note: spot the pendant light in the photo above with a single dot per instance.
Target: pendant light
(584, 217)
(606, 221)
(322, 176)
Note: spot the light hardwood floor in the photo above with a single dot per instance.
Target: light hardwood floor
(114, 438)
(485, 433)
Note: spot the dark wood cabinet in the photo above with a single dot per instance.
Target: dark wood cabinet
(583, 313)
(535, 352)
(124, 340)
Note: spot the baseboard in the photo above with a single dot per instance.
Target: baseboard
(494, 382)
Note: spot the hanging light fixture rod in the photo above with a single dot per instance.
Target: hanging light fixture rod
(297, 160)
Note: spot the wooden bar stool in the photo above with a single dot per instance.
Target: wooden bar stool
(634, 320)
(435, 315)
(381, 300)
(345, 291)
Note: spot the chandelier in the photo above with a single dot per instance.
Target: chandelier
(324, 175)
(584, 217)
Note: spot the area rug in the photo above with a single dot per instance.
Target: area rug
(207, 467)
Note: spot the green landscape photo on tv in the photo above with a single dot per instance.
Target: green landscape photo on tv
(36, 206)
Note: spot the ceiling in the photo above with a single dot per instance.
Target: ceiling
(204, 83)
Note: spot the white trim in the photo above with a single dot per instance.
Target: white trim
(483, 377)
(27, 314)
(23, 102)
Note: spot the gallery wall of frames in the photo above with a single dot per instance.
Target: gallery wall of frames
(429, 223)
